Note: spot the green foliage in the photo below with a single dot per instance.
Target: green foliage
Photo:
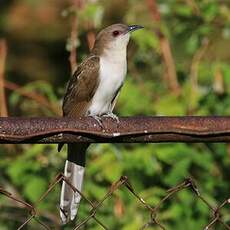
(130, 96)
(92, 12)
(35, 187)
(146, 40)
(36, 34)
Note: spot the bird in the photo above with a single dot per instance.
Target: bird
(92, 91)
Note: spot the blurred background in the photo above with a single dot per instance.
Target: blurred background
(178, 65)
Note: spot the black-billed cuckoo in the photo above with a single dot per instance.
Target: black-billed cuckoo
(92, 91)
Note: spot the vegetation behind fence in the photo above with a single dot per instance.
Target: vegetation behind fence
(178, 65)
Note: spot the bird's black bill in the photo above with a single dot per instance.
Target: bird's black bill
(134, 27)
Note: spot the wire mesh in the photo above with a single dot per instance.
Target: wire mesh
(154, 211)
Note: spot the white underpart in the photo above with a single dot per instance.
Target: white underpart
(113, 69)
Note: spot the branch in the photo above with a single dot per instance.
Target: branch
(3, 53)
(77, 5)
(73, 40)
(129, 130)
(171, 75)
(40, 99)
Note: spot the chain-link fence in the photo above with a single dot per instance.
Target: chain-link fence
(154, 211)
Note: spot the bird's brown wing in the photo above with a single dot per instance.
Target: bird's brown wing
(81, 88)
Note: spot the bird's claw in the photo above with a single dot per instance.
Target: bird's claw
(112, 116)
(98, 120)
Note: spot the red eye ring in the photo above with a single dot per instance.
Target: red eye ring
(115, 33)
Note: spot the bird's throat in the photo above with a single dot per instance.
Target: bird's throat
(113, 68)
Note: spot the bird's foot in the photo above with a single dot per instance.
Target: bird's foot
(98, 120)
(112, 116)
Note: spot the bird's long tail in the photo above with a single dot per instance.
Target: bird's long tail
(74, 172)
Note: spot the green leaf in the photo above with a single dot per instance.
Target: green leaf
(19, 170)
(146, 40)
(178, 173)
(133, 100)
(35, 187)
(192, 43)
(169, 105)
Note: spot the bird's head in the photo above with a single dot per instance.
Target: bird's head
(114, 37)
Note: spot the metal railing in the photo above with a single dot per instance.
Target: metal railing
(128, 130)
(134, 129)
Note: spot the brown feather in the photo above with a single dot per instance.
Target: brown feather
(81, 88)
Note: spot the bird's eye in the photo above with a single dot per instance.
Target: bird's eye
(115, 33)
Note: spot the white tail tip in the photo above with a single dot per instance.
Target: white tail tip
(70, 200)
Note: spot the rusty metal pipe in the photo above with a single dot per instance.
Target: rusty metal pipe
(129, 130)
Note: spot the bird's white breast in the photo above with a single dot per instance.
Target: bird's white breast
(113, 68)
